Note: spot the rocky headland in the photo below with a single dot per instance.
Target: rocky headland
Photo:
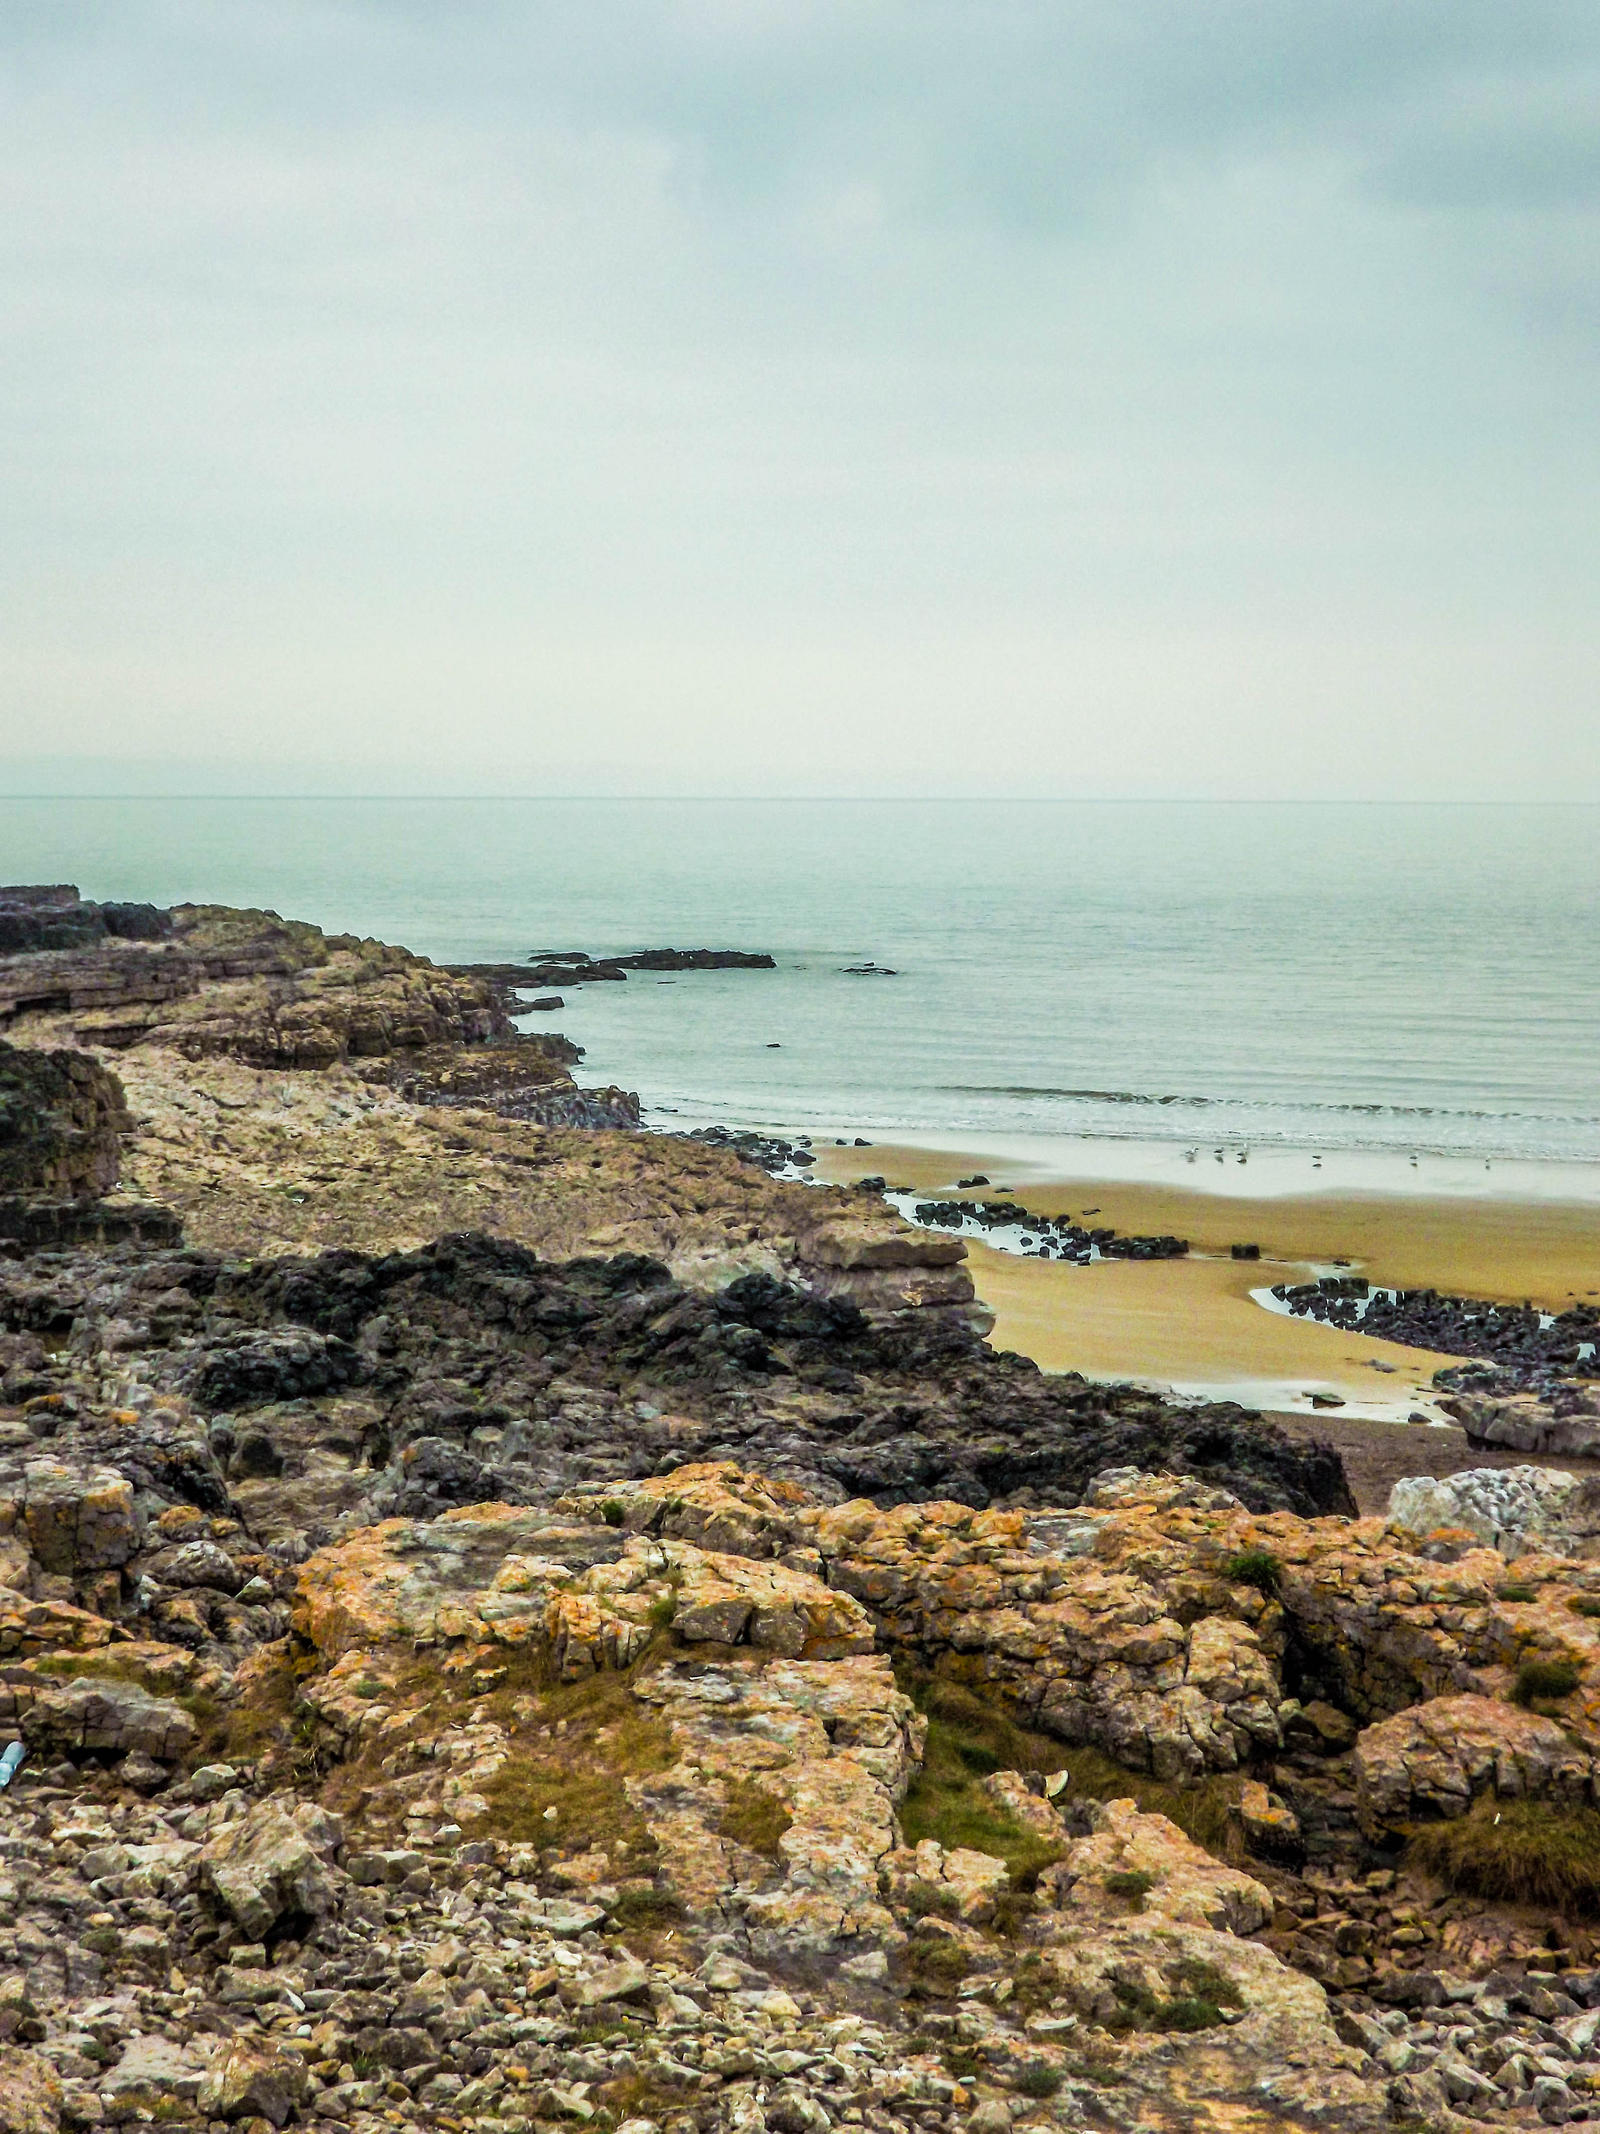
(517, 1623)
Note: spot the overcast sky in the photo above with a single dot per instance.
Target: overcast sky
(1001, 396)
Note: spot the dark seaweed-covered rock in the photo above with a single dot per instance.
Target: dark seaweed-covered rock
(1517, 1338)
(545, 1374)
(256, 1368)
(54, 915)
(61, 1118)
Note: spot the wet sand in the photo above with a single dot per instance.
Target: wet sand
(1192, 1324)
(1377, 1455)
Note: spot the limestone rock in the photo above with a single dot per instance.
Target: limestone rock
(79, 1521)
(959, 1884)
(249, 2080)
(1436, 1758)
(1515, 1510)
(1187, 1887)
(624, 1981)
(592, 1593)
(91, 1712)
(30, 2093)
(1566, 1424)
(153, 2068)
(275, 1859)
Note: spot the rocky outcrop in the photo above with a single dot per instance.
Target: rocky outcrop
(526, 1079)
(1563, 1420)
(61, 1119)
(1437, 1758)
(638, 1762)
(698, 959)
(1519, 1511)
(588, 1593)
(1161, 1627)
(413, 1382)
(57, 917)
(250, 986)
(1523, 1342)
(93, 1713)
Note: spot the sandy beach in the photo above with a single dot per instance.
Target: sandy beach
(1192, 1324)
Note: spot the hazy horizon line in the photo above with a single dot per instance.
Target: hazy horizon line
(1087, 800)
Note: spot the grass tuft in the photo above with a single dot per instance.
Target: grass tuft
(1540, 1681)
(1523, 1852)
(1200, 1809)
(965, 1728)
(1132, 1884)
(1036, 2080)
(1254, 1567)
(967, 1739)
(754, 1818)
(1203, 1992)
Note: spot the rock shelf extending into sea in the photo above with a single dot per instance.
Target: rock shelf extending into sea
(515, 1623)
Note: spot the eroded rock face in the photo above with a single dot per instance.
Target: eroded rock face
(55, 916)
(77, 1520)
(1437, 1758)
(61, 1116)
(1134, 1627)
(94, 1713)
(525, 1080)
(248, 985)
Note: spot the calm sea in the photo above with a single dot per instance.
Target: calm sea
(1392, 979)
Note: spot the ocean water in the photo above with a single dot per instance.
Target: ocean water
(1380, 981)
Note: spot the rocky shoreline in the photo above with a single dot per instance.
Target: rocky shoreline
(1533, 1381)
(518, 1623)
(1046, 1237)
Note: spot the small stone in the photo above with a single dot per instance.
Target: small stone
(623, 1981)
(211, 1781)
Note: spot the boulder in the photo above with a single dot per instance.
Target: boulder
(201, 1564)
(92, 1712)
(1516, 1510)
(1435, 1759)
(1185, 1886)
(958, 1884)
(152, 2068)
(1565, 1424)
(275, 1860)
(30, 2093)
(253, 2080)
(79, 1521)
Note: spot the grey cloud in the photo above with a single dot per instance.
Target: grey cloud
(767, 377)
